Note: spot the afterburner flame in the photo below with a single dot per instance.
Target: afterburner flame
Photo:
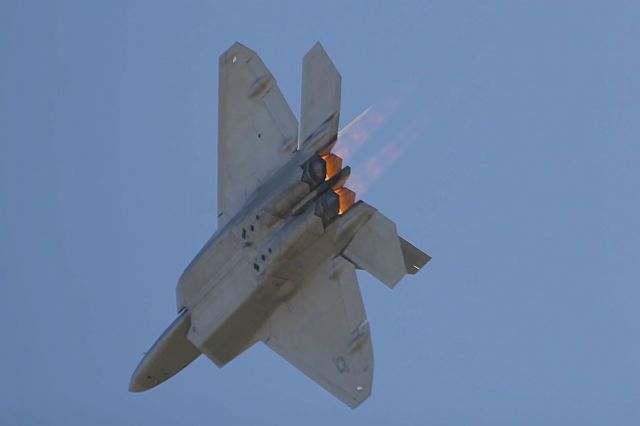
(334, 165)
(347, 197)
(365, 175)
(354, 135)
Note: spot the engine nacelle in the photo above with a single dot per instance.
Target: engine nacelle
(327, 207)
(301, 182)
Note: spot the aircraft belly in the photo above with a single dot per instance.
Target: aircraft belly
(215, 317)
(227, 320)
(207, 269)
(333, 240)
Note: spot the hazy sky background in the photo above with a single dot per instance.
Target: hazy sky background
(520, 125)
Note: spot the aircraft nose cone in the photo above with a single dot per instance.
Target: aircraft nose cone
(134, 386)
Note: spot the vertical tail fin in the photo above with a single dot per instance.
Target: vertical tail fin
(321, 85)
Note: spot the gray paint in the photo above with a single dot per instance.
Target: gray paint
(281, 267)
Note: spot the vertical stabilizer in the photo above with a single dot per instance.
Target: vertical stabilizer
(321, 84)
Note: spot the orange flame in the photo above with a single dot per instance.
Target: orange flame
(350, 139)
(347, 197)
(334, 165)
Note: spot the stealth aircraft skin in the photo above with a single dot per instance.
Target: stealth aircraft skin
(281, 267)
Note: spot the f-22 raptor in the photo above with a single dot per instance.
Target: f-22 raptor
(281, 267)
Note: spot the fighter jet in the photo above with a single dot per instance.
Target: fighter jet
(281, 267)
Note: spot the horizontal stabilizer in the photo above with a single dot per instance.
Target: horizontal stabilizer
(414, 258)
(376, 249)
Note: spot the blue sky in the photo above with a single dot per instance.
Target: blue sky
(520, 128)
